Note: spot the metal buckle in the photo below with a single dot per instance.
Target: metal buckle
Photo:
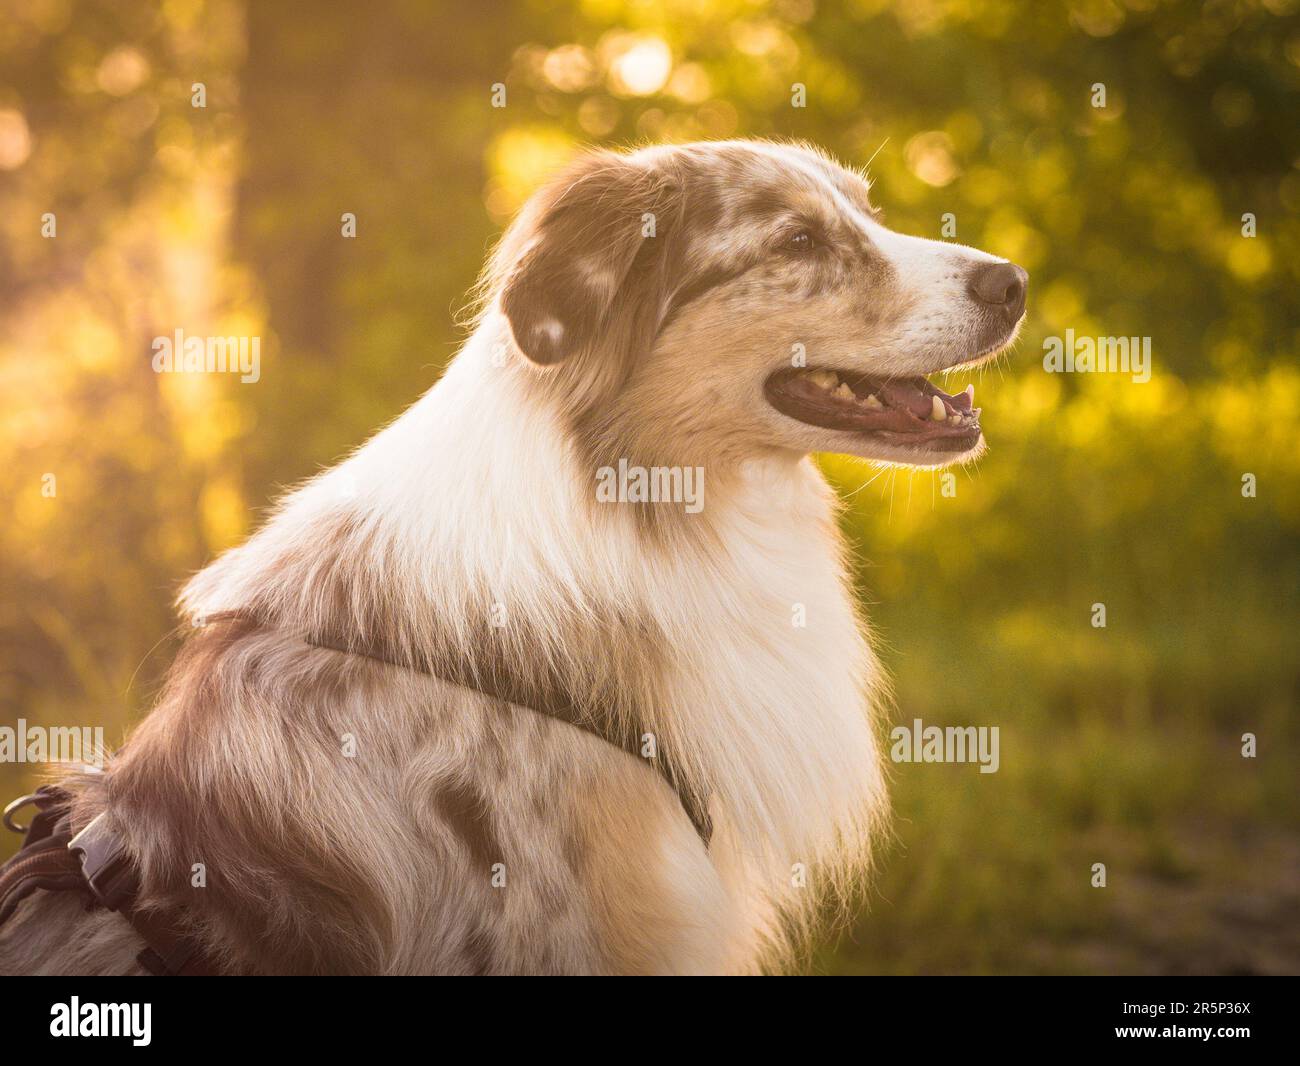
(16, 806)
(105, 865)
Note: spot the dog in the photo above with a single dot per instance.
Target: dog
(370, 802)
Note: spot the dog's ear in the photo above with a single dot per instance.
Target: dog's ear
(590, 276)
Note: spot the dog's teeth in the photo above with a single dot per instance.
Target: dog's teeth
(970, 391)
(844, 392)
(872, 402)
(823, 379)
(954, 419)
(938, 413)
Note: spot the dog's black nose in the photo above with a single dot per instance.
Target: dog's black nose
(1000, 285)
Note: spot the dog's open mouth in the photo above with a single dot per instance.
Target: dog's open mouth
(905, 411)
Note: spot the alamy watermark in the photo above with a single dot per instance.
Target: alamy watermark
(39, 744)
(656, 484)
(180, 354)
(954, 743)
(123, 1020)
(1098, 355)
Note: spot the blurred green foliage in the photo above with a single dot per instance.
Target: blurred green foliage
(1119, 745)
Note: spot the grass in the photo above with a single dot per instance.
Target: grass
(1139, 769)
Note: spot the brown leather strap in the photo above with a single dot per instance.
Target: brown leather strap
(43, 861)
(95, 864)
(44, 865)
(497, 682)
(171, 953)
(111, 876)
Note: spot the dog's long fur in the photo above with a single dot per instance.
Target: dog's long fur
(354, 816)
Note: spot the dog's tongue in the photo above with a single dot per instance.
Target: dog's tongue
(908, 395)
(914, 395)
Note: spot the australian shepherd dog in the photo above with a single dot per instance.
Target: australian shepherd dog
(607, 503)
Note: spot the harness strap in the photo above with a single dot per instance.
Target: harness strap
(497, 683)
(95, 864)
(43, 861)
(45, 865)
(112, 878)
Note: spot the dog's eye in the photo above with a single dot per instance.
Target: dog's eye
(800, 243)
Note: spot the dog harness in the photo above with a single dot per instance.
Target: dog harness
(94, 861)
(496, 681)
(95, 864)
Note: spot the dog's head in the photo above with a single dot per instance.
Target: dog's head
(726, 299)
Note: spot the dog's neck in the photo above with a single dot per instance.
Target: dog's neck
(737, 645)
